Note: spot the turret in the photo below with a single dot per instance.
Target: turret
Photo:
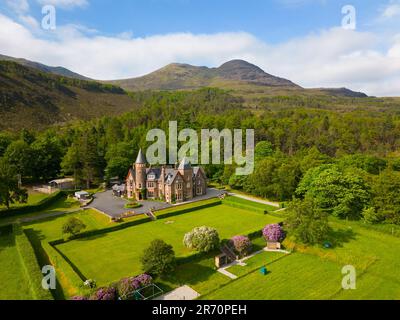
(140, 171)
(186, 170)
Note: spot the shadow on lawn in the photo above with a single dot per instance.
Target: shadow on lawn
(191, 273)
(341, 236)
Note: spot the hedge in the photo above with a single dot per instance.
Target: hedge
(71, 282)
(188, 209)
(41, 205)
(97, 232)
(30, 265)
(244, 206)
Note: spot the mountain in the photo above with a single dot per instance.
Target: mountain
(33, 99)
(177, 76)
(44, 68)
(243, 77)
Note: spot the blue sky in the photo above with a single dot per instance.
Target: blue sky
(271, 20)
(298, 39)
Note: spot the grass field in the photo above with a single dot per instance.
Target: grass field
(315, 273)
(112, 256)
(33, 198)
(307, 273)
(13, 283)
(50, 229)
(257, 205)
(61, 205)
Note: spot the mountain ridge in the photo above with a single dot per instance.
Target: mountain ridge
(60, 71)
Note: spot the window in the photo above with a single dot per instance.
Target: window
(151, 177)
(188, 185)
(150, 194)
(179, 186)
(150, 184)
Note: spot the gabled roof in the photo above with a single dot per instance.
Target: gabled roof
(185, 164)
(141, 159)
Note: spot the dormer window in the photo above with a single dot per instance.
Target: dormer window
(151, 177)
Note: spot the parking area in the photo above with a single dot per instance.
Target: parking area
(113, 206)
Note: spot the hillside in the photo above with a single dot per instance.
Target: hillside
(60, 71)
(33, 99)
(178, 76)
(244, 78)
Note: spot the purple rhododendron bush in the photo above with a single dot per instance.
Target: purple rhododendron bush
(242, 245)
(123, 289)
(273, 233)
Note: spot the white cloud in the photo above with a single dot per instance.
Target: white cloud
(18, 6)
(65, 4)
(330, 58)
(390, 11)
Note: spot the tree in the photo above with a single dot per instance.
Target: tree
(117, 167)
(344, 193)
(158, 259)
(273, 233)
(48, 153)
(386, 201)
(242, 245)
(19, 154)
(202, 239)
(263, 149)
(73, 226)
(10, 191)
(72, 164)
(306, 222)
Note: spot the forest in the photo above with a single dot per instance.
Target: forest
(342, 152)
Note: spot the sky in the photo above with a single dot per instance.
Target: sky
(311, 42)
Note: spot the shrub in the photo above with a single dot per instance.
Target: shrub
(127, 286)
(273, 233)
(306, 222)
(79, 298)
(242, 245)
(109, 294)
(203, 239)
(73, 226)
(159, 258)
(133, 205)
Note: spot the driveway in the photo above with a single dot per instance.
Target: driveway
(113, 206)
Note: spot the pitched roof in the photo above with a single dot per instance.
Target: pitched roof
(185, 164)
(141, 159)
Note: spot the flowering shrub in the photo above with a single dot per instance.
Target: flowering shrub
(128, 286)
(242, 245)
(273, 233)
(105, 294)
(203, 239)
(144, 280)
(79, 298)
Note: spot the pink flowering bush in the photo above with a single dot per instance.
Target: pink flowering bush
(242, 245)
(127, 286)
(273, 233)
(105, 294)
(79, 298)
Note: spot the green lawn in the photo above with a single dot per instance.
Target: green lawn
(315, 273)
(254, 204)
(115, 255)
(61, 205)
(13, 283)
(50, 229)
(33, 198)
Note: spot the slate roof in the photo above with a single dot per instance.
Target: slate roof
(141, 159)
